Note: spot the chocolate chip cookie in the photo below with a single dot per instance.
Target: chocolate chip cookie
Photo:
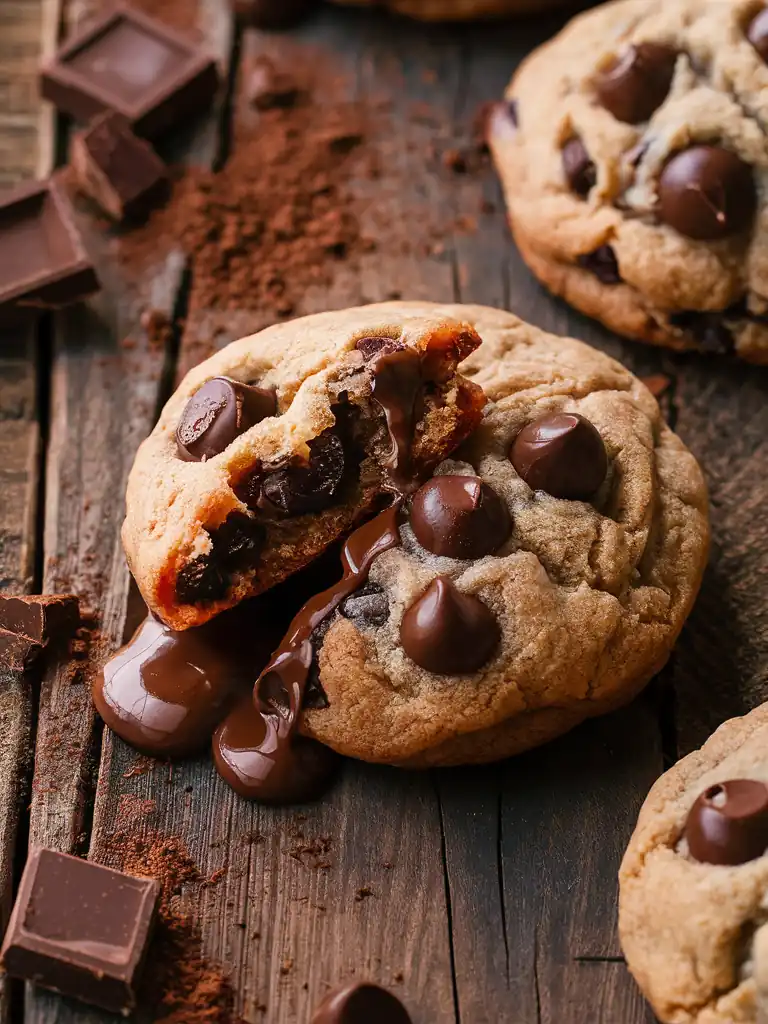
(692, 912)
(632, 153)
(540, 576)
(276, 446)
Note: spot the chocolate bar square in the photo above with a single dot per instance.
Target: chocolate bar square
(80, 929)
(42, 259)
(133, 65)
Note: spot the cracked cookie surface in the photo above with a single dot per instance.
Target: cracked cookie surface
(695, 933)
(276, 446)
(632, 150)
(587, 596)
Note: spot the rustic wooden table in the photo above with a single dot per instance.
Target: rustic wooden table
(488, 895)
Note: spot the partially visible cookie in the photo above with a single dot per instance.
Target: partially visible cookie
(693, 908)
(632, 153)
(273, 448)
(541, 576)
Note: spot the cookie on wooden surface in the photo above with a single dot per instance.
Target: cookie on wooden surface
(632, 153)
(542, 575)
(692, 909)
(273, 448)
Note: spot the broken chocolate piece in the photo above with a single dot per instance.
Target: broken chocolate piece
(201, 580)
(238, 541)
(42, 259)
(118, 170)
(80, 929)
(377, 345)
(296, 490)
(368, 606)
(130, 63)
(30, 623)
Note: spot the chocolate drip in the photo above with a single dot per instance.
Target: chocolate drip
(397, 384)
(256, 749)
(165, 692)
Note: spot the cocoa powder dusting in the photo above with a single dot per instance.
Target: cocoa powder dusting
(179, 986)
(278, 219)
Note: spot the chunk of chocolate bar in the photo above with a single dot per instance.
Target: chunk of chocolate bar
(80, 929)
(129, 63)
(42, 259)
(118, 170)
(29, 623)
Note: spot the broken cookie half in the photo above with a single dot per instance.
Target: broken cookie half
(278, 445)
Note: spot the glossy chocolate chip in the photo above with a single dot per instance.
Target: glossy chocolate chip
(637, 82)
(708, 330)
(374, 346)
(368, 606)
(459, 517)
(707, 193)
(602, 263)
(361, 1003)
(562, 454)
(201, 580)
(238, 542)
(728, 824)
(296, 490)
(447, 632)
(580, 171)
(757, 33)
(217, 413)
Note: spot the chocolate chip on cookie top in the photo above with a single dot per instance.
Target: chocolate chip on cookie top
(635, 84)
(578, 167)
(217, 413)
(361, 1003)
(459, 517)
(562, 454)
(728, 824)
(757, 33)
(447, 632)
(707, 193)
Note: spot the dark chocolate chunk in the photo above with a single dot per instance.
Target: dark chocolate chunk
(368, 606)
(728, 824)
(580, 171)
(238, 542)
(447, 632)
(377, 345)
(707, 193)
(296, 490)
(117, 169)
(29, 623)
(42, 259)
(562, 454)
(707, 328)
(459, 517)
(757, 33)
(80, 929)
(134, 65)
(217, 413)
(272, 13)
(201, 580)
(602, 263)
(635, 84)
(361, 1003)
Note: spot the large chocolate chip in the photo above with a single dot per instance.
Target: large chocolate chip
(238, 541)
(635, 84)
(708, 329)
(361, 1003)
(368, 606)
(217, 413)
(707, 193)
(459, 517)
(580, 171)
(602, 263)
(562, 454)
(757, 33)
(447, 632)
(728, 824)
(296, 490)
(377, 345)
(201, 580)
